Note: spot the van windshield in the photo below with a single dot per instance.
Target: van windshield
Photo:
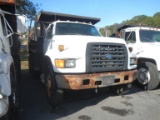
(76, 29)
(149, 36)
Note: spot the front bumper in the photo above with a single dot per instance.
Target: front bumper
(4, 104)
(88, 81)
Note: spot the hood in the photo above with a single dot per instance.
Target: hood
(151, 46)
(80, 39)
(149, 50)
(75, 45)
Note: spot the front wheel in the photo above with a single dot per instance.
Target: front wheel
(148, 76)
(54, 94)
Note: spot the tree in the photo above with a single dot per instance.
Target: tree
(149, 21)
(102, 31)
(136, 20)
(28, 8)
(156, 14)
(139, 19)
(156, 19)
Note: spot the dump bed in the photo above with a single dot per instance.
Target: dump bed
(9, 6)
(49, 17)
(7, 2)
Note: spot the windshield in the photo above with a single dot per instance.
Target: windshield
(76, 29)
(149, 36)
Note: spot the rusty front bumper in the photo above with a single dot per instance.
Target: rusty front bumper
(87, 81)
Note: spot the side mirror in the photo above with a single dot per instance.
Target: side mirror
(107, 34)
(122, 34)
(21, 24)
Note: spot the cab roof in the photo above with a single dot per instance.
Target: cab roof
(49, 17)
(137, 26)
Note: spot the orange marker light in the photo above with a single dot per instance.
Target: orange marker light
(61, 47)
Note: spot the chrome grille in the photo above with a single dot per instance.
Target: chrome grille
(106, 57)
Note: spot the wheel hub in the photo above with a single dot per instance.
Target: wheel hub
(143, 76)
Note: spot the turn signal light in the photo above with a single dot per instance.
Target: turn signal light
(59, 63)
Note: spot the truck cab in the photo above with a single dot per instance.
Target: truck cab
(144, 41)
(74, 56)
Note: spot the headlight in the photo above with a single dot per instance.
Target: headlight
(133, 61)
(70, 63)
(65, 63)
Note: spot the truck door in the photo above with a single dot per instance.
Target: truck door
(130, 37)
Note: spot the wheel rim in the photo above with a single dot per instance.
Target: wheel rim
(48, 85)
(143, 76)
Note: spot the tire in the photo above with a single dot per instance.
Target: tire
(17, 63)
(5, 117)
(54, 94)
(13, 98)
(148, 76)
(120, 89)
(34, 74)
(12, 113)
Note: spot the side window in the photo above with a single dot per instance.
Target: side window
(130, 37)
(49, 32)
(3, 27)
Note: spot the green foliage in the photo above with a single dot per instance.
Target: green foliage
(153, 21)
(156, 19)
(102, 31)
(28, 8)
(139, 19)
(149, 21)
(156, 14)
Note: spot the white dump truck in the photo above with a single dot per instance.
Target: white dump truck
(70, 53)
(9, 59)
(144, 41)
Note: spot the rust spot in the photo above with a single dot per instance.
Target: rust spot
(84, 117)
(88, 81)
(121, 112)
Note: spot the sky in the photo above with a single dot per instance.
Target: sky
(109, 11)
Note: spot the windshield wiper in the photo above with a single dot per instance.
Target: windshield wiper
(147, 40)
